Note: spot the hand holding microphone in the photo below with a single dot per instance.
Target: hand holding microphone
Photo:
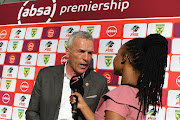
(76, 85)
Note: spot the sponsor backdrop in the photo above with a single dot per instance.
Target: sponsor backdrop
(41, 41)
(25, 49)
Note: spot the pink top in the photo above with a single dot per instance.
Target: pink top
(121, 100)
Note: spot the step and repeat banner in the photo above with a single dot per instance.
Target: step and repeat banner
(25, 49)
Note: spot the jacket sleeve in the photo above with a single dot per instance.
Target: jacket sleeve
(33, 110)
(105, 88)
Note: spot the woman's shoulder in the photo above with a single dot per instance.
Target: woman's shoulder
(123, 94)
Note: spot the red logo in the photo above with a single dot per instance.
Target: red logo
(6, 98)
(3, 34)
(151, 118)
(30, 45)
(12, 58)
(64, 59)
(178, 81)
(24, 86)
(51, 32)
(111, 31)
(108, 76)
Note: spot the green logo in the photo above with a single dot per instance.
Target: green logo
(65, 44)
(20, 113)
(26, 71)
(15, 44)
(8, 84)
(46, 59)
(108, 60)
(33, 32)
(90, 29)
(160, 28)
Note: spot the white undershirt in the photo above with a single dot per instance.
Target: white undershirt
(65, 106)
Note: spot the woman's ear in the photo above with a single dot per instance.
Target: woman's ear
(123, 59)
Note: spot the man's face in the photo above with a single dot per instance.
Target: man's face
(80, 55)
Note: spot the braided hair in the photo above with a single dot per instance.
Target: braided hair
(149, 57)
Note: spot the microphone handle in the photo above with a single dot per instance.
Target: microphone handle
(74, 107)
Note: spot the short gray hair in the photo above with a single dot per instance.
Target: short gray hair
(80, 34)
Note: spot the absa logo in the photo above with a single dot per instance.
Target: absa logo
(33, 11)
(111, 31)
(3, 34)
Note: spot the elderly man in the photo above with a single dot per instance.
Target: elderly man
(50, 96)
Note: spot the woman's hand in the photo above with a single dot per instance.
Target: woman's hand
(86, 111)
(81, 103)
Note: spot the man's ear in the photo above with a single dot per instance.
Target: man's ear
(67, 52)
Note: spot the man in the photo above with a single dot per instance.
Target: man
(50, 96)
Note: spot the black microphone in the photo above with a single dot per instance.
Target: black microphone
(76, 85)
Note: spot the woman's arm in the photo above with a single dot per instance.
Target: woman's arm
(113, 116)
(86, 111)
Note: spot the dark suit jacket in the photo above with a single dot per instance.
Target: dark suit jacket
(46, 95)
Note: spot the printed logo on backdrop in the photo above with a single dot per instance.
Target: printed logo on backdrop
(178, 81)
(108, 76)
(3, 34)
(151, 115)
(62, 46)
(24, 86)
(107, 64)
(6, 112)
(51, 33)
(17, 33)
(8, 85)
(165, 29)
(10, 71)
(108, 60)
(111, 78)
(61, 59)
(111, 31)
(66, 31)
(174, 98)
(109, 45)
(21, 100)
(94, 30)
(3, 112)
(160, 28)
(26, 72)
(158, 116)
(2, 58)
(177, 114)
(46, 59)
(12, 58)
(48, 46)
(30, 10)
(18, 113)
(34, 33)
(7, 98)
(134, 30)
(28, 59)
(31, 46)
(3, 45)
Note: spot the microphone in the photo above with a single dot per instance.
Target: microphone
(76, 85)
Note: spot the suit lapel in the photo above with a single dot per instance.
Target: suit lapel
(86, 83)
(59, 83)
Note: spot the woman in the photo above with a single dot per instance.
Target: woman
(141, 62)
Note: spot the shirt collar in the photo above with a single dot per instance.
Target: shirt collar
(65, 72)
